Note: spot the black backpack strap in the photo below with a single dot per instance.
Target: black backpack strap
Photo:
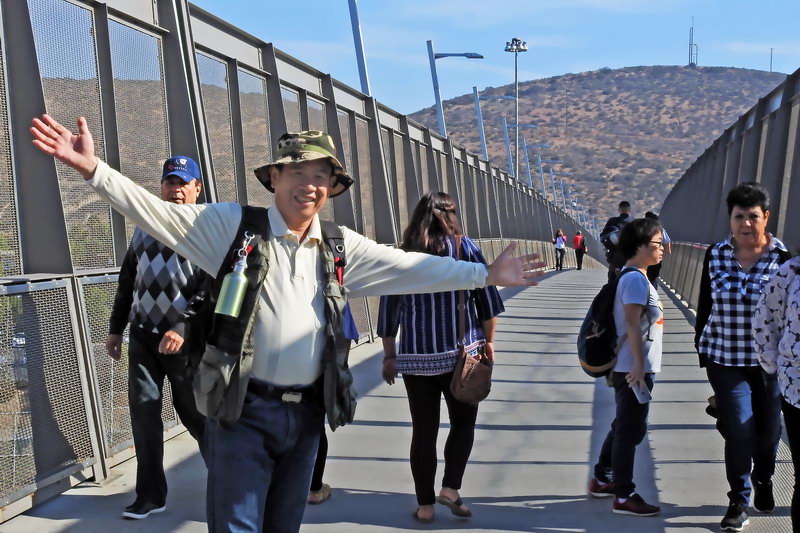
(334, 240)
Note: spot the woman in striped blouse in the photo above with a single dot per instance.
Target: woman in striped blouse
(427, 354)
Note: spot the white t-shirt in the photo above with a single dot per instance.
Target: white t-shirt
(561, 242)
(634, 288)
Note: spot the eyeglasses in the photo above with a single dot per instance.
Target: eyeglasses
(659, 243)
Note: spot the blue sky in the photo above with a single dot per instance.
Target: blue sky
(563, 36)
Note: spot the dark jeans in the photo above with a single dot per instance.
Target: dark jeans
(319, 464)
(616, 262)
(146, 371)
(791, 418)
(627, 431)
(579, 258)
(424, 399)
(560, 258)
(749, 419)
(259, 469)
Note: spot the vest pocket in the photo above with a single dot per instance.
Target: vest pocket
(212, 379)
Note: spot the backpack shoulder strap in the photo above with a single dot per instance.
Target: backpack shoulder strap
(334, 240)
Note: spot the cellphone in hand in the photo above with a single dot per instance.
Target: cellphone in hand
(641, 392)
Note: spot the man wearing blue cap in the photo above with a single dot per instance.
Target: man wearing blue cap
(161, 294)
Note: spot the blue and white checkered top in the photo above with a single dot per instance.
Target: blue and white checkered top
(727, 337)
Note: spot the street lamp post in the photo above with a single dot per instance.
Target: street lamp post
(505, 125)
(516, 46)
(432, 57)
(479, 117)
(359, 44)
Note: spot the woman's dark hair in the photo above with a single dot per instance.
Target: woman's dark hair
(637, 233)
(651, 215)
(559, 231)
(746, 195)
(433, 219)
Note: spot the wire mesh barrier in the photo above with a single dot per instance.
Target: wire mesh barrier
(178, 81)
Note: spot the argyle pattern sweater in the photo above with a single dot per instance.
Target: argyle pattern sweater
(155, 288)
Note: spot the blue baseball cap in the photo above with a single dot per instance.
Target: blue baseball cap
(182, 166)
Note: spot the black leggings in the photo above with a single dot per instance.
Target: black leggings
(791, 419)
(560, 258)
(319, 465)
(424, 399)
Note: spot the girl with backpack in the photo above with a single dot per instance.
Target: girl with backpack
(560, 240)
(639, 321)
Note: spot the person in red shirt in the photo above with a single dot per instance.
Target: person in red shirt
(579, 243)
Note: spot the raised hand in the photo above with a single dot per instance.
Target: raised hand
(510, 271)
(74, 150)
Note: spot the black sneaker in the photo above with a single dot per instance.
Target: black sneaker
(763, 501)
(736, 517)
(138, 510)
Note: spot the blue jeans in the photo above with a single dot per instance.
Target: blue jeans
(627, 431)
(749, 419)
(259, 469)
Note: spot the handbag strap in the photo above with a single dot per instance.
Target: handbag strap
(462, 308)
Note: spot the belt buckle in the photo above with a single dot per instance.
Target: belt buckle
(292, 397)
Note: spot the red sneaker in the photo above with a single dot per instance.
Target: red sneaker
(601, 489)
(635, 505)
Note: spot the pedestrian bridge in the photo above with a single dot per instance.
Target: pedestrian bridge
(159, 77)
(537, 437)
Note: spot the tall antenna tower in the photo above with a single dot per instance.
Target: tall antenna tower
(692, 47)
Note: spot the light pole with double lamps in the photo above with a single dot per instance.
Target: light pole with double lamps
(516, 45)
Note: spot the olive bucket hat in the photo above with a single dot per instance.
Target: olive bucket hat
(306, 146)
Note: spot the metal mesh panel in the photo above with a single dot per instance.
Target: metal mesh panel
(402, 194)
(391, 177)
(358, 306)
(316, 115)
(255, 134)
(43, 424)
(423, 164)
(217, 108)
(365, 177)
(112, 376)
(346, 158)
(10, 260)
(141, 105)
(291, 109)
(65, 48)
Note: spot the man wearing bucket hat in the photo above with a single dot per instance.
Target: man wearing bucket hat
(262, 435)
(161, 294)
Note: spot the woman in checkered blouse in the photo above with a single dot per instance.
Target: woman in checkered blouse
(735, 272)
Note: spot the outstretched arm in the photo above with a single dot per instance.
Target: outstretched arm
(74, 150)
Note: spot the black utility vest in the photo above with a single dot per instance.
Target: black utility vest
(222, 376)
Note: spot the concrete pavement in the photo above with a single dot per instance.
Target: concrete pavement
(536, 439)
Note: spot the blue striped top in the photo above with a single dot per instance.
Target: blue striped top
(430, 321)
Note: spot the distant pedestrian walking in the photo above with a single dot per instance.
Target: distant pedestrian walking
(427, 354)
(734, 274)
(776, 334)
(654, 270)
(639, 321)
(579, 244)
(560, 241)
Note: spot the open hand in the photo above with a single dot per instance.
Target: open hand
(388, 371)
(74, 150)
(510, 271)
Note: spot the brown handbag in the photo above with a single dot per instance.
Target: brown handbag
(472, 376)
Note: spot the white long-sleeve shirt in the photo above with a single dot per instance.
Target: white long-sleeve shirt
(776, 329)
(288, 331)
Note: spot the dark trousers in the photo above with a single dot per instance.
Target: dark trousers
(146, 371)
(319, 465)
(627, 431)
(424, 399)
(749, 419)
(616, 262)
(579, 257)
(560, 258)
(791, 418)
(653, 272)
